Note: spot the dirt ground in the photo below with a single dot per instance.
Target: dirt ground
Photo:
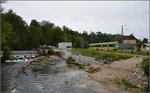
(122, 69)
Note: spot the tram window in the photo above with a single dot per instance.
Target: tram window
(98, 45)
(104, 45)
(112, 45)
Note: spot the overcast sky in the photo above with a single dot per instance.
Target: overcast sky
(104, 16)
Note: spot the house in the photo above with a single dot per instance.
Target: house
(65, 45)
(130, 42)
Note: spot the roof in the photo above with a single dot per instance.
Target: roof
(129, 37)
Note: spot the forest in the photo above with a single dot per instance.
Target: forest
(16, 34)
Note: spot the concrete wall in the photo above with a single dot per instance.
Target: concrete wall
(65, 45)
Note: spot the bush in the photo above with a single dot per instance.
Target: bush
(83, 65)
(145, 66)
(70, 60)
(125, 83)
(6, 54)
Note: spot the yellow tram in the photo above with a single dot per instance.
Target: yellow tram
(105, 46)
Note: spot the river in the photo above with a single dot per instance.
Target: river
(49, 76)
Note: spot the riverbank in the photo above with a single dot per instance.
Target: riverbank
(109, 56)
(116, 76)
(51, 74)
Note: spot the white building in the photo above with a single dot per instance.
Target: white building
(147, 46)
(65, 45)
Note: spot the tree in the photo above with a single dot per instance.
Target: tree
(8, 37)
(118, 38)
(145, 40)
(35, 34)
(46, 28)
(56, 36)
(6, 53)
(19, 28)
(80, 43)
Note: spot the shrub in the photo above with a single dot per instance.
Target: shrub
(125, 83)
(70, 60)
(145, 66)
(6, 54)
(83, 65)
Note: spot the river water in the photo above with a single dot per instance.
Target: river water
(49, 76)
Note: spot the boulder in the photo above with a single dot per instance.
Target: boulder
(93, 68)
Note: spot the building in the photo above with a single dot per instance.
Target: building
(130, 42)
(65, 45)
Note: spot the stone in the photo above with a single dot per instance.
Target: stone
(139, 76)
(93, 68)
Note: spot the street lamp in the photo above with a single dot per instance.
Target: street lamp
(122, 36)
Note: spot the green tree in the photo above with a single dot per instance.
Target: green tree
(145, 40)
(35, 34)
(19, 27)
(6, 53)
(57, 36)
(8, 37)
(46, 28)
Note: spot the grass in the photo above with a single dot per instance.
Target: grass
(146, 53)
(81, 66)
(125, 83)
(100, 55)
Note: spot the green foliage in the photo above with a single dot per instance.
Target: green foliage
(18, 29)
(70, 60)
(101, 55)
(132, 52)
(35, 34)
(145, 65)
(125, 83)
(81, 66)
(6, 53)
(145, 40)
(8, 37)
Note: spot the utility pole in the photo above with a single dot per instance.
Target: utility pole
(122, 37)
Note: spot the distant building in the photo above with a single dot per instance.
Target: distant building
(130, 42)
(65, 45)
